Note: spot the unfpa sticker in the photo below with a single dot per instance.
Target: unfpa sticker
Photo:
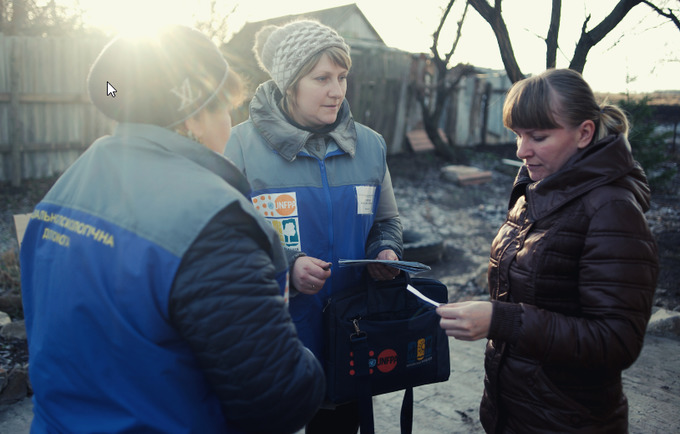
(276, 205)
(385, 362)
(281, 210)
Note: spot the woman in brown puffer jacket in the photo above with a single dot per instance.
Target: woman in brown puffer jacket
(572, 271)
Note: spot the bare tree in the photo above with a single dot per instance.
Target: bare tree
(27, 17)
(669, 13)
(433, 98)
(588, 39)
(215, 26)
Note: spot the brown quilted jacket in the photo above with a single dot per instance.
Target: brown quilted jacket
(572, 275)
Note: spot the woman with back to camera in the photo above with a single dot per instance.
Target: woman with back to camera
(319, 177)
(572, 271)
(158, 308)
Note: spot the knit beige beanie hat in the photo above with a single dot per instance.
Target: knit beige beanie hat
(283, 51)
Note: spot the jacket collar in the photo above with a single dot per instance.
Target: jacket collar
(608, 161)
(189, 149)
(286, 138)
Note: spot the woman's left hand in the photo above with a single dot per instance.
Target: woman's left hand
(382, 271)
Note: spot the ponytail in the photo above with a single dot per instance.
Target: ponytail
(612, 120)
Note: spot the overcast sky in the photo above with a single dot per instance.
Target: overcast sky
(641, 55)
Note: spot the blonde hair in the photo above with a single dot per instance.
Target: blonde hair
(538, 102)
(337, 55)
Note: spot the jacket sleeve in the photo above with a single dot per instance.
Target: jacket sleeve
(225, 302)
(617, 278)
(386, 232)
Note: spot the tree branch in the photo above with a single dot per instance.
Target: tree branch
(459, 33)
(589, 39)
(553, 31)
(495, 19)
(670, 15)
(435, 35)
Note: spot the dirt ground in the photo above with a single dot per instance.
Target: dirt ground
(466, 219)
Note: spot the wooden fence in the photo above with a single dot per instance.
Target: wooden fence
(47, 120)
(378, 92)
(475, 112)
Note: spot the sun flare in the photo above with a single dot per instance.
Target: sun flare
(136, 18)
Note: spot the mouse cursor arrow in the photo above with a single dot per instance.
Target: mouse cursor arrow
(110, 90)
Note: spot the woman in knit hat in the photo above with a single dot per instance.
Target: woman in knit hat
(151, 288)
(320, 178)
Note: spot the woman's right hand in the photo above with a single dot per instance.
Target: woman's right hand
(467, 320)
(309, 274)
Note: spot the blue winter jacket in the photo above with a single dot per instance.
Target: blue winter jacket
(151, 299)
(322, 207)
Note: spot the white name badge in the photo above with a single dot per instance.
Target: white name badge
(365, 197)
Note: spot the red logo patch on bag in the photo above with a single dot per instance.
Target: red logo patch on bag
(387, 360)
